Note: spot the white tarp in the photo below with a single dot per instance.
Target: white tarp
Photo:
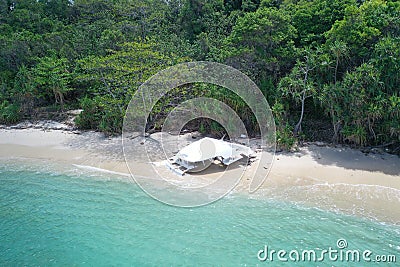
(207, 149)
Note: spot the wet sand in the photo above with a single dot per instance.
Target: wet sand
(332, 178)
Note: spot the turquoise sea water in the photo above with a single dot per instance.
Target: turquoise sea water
(73, 218)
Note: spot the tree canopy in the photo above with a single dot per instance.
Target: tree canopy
(329, 69)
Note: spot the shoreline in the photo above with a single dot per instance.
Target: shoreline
(330, 178)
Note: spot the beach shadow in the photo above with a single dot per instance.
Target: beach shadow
(356, 160)
(215, 169)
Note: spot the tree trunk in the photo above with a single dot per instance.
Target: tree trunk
(297, 128)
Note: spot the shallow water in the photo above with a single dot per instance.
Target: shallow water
(73, 217)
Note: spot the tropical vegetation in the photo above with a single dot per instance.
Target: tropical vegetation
(328, 68)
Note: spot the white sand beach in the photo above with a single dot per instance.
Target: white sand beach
(332, 178)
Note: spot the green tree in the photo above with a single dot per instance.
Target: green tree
(114, 78)
(300, 84)
(24, 91)
(261, 44)
(313, 18)
(362, 26)
(331, 94)
(52, 77)
(364, 103)
(386, 58)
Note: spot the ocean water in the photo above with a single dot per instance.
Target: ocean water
(53, 217)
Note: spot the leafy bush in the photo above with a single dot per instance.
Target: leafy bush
(9, 113)
(99, 114)
(284, 132)
(285, 138)
(111, 122)
(90, 117)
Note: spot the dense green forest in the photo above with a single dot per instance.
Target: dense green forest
(328, 68)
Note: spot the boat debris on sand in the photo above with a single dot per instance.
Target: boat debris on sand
(200, 154)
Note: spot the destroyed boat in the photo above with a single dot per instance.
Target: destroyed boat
(200, 154)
